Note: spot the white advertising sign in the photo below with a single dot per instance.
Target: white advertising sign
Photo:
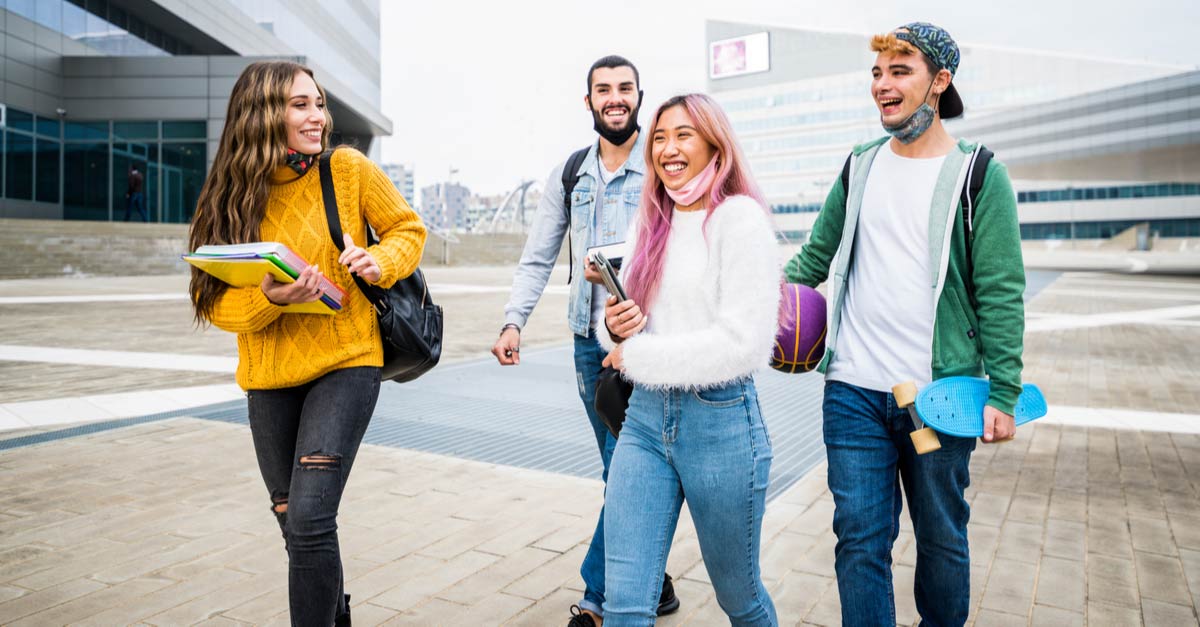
(740, 55)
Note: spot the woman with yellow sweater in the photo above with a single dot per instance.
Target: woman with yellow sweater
(311, 380)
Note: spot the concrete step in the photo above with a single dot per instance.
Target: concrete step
(50, 248)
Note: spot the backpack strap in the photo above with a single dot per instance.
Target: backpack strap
(970, 196)
(570, 177)
(329, 199)
(846, 175)
(970, 192)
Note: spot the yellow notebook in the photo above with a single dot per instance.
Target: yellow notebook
(249, 273)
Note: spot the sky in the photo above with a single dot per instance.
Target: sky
(495, 90)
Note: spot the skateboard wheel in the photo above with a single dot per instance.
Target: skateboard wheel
(905, 393)
(925, 440)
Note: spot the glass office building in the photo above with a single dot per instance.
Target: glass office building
(1096, 141)
(85, 166)
(93, 88)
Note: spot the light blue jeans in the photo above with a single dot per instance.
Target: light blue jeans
(588, 358)
(712, 446)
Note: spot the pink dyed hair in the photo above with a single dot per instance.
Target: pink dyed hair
(656, 208)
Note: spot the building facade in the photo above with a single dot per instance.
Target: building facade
(92, 88)
(444, 206)
(402, 177)
(800, 99)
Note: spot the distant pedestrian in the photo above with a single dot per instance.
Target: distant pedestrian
(924, 288)
(135, 200)
(311, 380)
(703, 286)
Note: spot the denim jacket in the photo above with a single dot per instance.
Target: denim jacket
(617, 209)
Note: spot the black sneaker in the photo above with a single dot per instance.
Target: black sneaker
(667, 602)
(580, 618)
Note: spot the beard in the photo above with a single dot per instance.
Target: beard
(617, 136)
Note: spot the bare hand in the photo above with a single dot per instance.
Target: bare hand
(508, 348)
(359, 261)
(306, 289)
(624, 319)
(997, 425)
(615, 359)
(591, 273)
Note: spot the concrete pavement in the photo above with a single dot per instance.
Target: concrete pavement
(1090, 517)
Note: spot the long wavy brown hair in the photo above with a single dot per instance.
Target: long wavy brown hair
(253, 145)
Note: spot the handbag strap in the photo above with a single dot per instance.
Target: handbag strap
(329, 199)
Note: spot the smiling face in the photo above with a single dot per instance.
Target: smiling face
(678, 151)
(902, 83)
(305, 117)
(613, 97)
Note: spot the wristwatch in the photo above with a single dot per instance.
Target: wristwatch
(511, 325)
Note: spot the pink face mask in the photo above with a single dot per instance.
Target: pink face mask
(697, 187)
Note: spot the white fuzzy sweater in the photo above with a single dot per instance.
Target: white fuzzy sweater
(715, 316)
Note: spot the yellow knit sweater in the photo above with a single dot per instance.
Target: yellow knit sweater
(277, 350)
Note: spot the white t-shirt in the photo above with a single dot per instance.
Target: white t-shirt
(599, 292)
(886, 334)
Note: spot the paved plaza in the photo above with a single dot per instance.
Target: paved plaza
(119, 505)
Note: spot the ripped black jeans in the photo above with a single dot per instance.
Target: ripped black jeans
(306, 438)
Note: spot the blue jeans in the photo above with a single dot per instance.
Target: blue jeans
(713, 447)
(306, 438)
(588, 357)
(870, 456)
(136, 202)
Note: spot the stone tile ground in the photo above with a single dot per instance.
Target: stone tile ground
(166, 523)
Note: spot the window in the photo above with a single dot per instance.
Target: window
(19, 120)
(185, 130)
(135, 130)
(49, 127)
(85, 165)
(47, 170)
(18, 166)
(87, 130)
(183, 167)
(85, 168)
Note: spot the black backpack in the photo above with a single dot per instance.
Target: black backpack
(570, 177)
(968, 198)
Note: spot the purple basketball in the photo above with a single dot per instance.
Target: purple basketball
(800, 340)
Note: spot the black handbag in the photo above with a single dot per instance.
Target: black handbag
(409, 322)
(612, 399)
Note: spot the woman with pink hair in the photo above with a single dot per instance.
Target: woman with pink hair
(703, 286)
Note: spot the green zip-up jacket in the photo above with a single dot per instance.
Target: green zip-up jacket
(969, 338)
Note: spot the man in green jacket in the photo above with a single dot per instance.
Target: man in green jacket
(908, 304)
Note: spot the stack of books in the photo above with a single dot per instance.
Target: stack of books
(245, 265)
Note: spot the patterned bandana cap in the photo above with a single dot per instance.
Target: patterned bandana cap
(936, 44)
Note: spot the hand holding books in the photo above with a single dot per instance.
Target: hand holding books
(591, 268)
(289, 280)
(305, 289)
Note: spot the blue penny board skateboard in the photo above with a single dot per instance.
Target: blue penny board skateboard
(954, 405)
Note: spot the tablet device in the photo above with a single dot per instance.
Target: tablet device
(609, 275)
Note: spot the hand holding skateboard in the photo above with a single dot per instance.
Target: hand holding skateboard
(954, 406)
